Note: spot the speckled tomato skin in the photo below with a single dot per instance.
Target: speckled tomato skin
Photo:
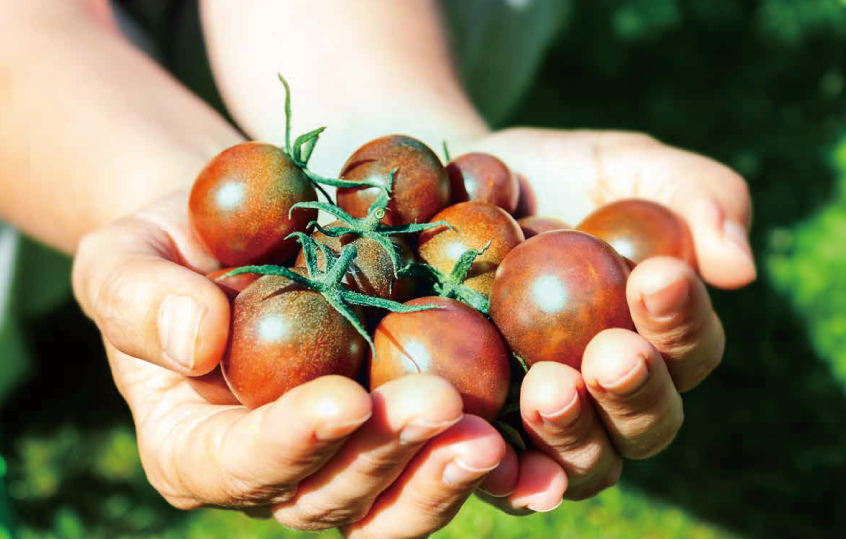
(232, 286)
(455, 342)
(240, 201)
(482, 177)
(420, 189)
(640, 229)
(283, 335)
(371, 272)
(537, 224)
(555, 292)
(212, 387)
(474, 224)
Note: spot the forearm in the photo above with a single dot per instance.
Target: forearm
(91, 128)
(364, 69)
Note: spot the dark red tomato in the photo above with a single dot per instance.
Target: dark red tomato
(527, 203)
(481, 177)
(240, 201)
(535, 224)
(475, 223)
(640, 229)
(421, 187)
(455, 342)
(232, 286)
(371, 272)
(212, 387)
(283, 335)
(553, 293)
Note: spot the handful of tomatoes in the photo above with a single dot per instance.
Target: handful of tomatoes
(472, 294)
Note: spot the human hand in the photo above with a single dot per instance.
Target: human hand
(625, 402)
(397, 463)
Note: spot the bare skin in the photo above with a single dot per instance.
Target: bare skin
(111, 186)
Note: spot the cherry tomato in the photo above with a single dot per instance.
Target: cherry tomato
(481, 177)
(420, 188)
(640, 229)
(283, 335)
(240, 201)
(553, 293)
(232, 286)
(212, 387)
(455, 342)
(535, 224)
(474, 223)
(371, 272)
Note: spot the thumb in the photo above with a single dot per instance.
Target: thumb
(145, 304)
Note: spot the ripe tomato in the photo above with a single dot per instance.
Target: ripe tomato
(535, 224)
(420, 189)
(481, 177)
(240, 201)
(640, 229)
(283, 335)
(455, 342)
(553, 293)
(371, 272)
(474, 223)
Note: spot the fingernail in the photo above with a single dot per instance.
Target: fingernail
(539, 510)
(420, 430)
(179, 327)
(565, 416)
(330, 432)
(628, 383)
(737, 235)
(497, 494)
(667, 298)
(458, 473)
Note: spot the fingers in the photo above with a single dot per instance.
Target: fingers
(671, 309)
(407, 413)
(147, 305)
(634, 394)
(558, 415)
(436, 483)
(236, 458)
(540, 487)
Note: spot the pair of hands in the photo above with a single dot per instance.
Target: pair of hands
(399, 462)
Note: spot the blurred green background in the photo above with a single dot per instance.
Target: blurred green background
(758, 84)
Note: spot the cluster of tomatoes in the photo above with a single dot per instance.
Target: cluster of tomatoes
(424, 269)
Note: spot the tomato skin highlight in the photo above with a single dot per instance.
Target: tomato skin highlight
(420, 189)
(240, 201)
(553, 293)
(372, 272)
(474, 223)
(482, 177)
(455, 342)
(283, 335)
(640, 229)
(537, 224)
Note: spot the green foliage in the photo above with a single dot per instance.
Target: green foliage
(808, 265)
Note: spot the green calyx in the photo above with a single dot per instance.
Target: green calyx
(300, 151)
(370, 226)
(452, 286)
(328, 283)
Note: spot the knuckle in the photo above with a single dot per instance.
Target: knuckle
(308, 515)
(655, 434)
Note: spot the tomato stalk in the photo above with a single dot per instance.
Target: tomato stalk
(370, 226)
(328, 283)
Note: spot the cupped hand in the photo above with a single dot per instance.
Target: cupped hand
(397, 463)
(625, 402)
